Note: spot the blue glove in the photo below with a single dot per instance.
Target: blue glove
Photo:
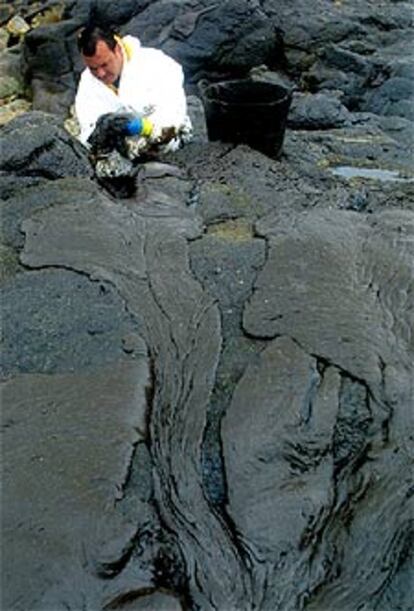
(139, 126)
(112, 128)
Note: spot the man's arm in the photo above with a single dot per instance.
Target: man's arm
(157, 93)
(170, 104)
(93, 99)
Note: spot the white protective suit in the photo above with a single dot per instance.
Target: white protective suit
(151, 84)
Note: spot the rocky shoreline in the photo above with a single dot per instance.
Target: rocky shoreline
(207, 387)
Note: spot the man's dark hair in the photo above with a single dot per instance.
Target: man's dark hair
(89, 37)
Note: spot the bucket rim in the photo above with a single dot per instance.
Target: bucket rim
(204, 84)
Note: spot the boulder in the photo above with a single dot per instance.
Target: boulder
(245, 38)
(50, 58)
(35, 143)
(318, 111)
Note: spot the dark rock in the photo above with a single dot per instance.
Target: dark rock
(9, 262)
(51, 63)
(105, 12)
(162, 601)
(268, 430)
(198, 119)
(45, 46)
(83, 322)
(364, 144)
(225, 261)
(49, 152)
(16, 208)
(399, 129)
(376, 83)
(394, 97)
(154, 23)
(199, 324)
(342, 59)
(278, 459)
(322, 77)
(10, 184)
(245, 38)
(350, 325)
(263, 74)
(319, 111)
(63, 499)
(53, 96)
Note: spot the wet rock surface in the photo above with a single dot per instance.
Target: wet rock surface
(207, 387)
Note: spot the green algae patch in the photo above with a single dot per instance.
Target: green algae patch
(235, 230)
(226, 195)
(9, 262)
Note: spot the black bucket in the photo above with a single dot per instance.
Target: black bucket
(247, 111)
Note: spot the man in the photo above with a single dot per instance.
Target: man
(129, 90)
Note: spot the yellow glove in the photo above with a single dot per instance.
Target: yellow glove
(139, 126)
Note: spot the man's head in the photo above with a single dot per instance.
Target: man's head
(101, 53)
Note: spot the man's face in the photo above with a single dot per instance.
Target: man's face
(105, 65)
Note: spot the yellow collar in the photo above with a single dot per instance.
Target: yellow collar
(127, 51)
(126, 47)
